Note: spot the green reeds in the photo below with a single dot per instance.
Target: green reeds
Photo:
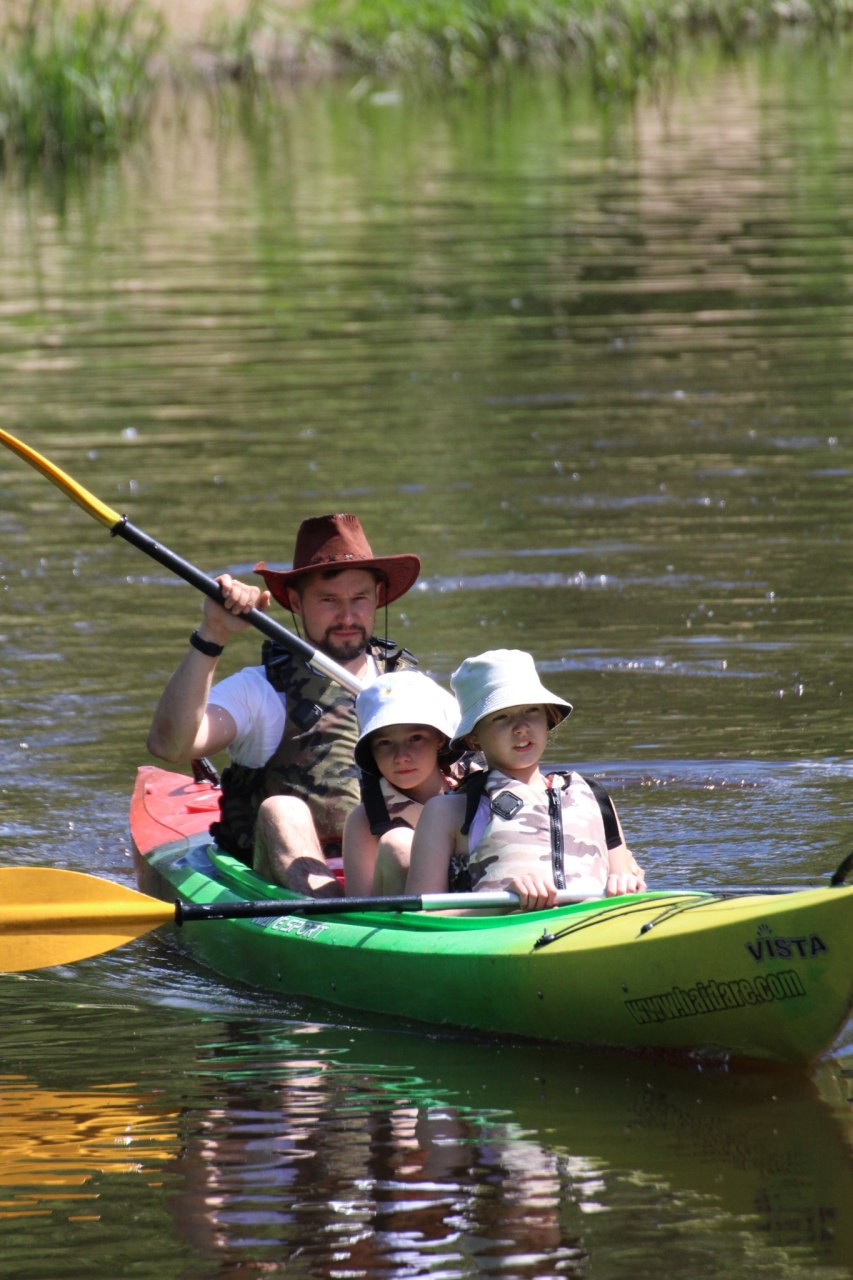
(74, 81)
(77, 76)
(619, 43)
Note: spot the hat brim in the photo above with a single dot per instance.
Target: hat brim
(447, 754)
(398, 575)
(498, 702)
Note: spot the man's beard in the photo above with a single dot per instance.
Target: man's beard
(347, 652)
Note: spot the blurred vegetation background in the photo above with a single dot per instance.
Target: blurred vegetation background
(78, 77)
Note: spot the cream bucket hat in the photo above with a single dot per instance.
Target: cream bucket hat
(404, 697)
(497, 679)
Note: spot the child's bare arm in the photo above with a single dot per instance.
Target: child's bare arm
(434, 844)
(359, 854)
(625, 875)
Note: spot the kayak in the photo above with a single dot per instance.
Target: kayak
(764, 976)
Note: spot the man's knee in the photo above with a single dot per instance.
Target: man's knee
(284, 812)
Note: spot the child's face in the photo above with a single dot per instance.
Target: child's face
(513, 738)
(405, 754)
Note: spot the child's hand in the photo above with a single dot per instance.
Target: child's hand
(619, 882)
(534, 892)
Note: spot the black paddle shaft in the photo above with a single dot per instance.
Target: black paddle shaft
(185, 911)
(210, 587)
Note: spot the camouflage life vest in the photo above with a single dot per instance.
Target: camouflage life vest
(314, 759)
(385, 807)
(566, 831)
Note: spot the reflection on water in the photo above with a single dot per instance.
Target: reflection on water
(406, 1180)
(53, 1139)
(477, 1158)
(279, 1144)
(595, 369)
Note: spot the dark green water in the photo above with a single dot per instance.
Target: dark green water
(595, 368)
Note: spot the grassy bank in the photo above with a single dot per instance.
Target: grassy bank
(73, 82)
(617, 42)
(77, 76)
(620, 44)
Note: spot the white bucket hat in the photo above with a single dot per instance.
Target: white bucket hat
(497, 679)
(404, 697)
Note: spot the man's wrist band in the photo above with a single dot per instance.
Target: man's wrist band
(207, 647)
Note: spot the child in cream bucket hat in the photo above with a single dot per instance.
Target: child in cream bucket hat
(405, 723)
(403, 697)
(497, 679)
(511, 826)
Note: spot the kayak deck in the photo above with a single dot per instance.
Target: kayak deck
(766, 977)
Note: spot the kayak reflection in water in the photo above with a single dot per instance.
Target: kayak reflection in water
(346, 1172)
(511, 826)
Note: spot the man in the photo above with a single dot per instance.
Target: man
(290, 731)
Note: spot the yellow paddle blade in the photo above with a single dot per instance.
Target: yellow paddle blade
(50, 917)
(70, 487)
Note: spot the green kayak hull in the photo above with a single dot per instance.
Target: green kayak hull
(766, 977)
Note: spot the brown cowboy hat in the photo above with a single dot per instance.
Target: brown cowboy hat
(339, 542)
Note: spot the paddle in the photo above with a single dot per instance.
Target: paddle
(121, 527)
(50, 917)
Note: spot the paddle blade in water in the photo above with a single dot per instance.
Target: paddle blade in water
(50, 917)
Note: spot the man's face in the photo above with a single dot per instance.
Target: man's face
(338, 612)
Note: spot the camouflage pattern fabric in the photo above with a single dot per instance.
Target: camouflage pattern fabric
(512, 845)
(402, 809)
(314, 759)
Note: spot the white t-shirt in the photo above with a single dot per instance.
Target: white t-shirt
(258, 711)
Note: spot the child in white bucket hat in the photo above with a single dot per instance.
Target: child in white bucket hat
(498, 679)
(405, 723)
(511, 826)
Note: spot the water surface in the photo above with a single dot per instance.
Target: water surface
(594, 367)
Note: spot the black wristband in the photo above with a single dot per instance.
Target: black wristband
(207, 647)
